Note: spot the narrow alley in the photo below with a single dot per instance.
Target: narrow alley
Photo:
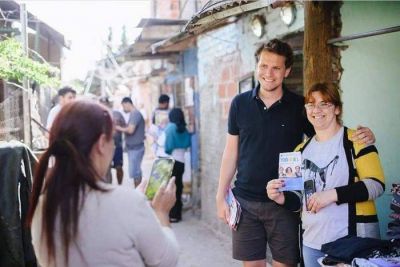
(224, 87)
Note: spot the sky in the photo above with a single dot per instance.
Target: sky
(85, 24)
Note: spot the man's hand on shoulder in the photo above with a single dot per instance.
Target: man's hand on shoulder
(363, 135)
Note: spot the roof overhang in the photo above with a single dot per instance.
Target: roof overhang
(183, 40)
(153, 31)
(147, 22)
(226, 9)
(209, 18)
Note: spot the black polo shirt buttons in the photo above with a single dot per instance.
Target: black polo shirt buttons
(265, 108)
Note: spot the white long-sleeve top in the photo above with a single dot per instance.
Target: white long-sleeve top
(52, 115)
(116, 228)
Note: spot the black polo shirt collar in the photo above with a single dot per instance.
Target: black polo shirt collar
(285, 97)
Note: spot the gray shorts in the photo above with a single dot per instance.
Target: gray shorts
(262, 223)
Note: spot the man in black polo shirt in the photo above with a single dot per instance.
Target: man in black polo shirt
(263, 123)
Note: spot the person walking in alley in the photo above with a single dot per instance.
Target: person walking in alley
(163, 106)
(134, 139)
(65, 96)
(175, 140)
(159, 120)
(71, 205)
(262, 123)
(117, 161)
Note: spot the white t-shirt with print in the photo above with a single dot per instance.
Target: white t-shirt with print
(325, 162)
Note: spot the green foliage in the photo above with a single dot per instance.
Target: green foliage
(14, 65)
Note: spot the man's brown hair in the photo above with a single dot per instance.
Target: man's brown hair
(278, 47)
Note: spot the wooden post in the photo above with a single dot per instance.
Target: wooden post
(321, 23)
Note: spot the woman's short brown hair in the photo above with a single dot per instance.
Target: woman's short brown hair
(330, 93)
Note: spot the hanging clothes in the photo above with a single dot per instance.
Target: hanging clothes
(17, 162)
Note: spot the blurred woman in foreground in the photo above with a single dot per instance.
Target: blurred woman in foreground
(76, 218)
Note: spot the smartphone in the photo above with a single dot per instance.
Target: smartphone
(161, 171)
(309, 189)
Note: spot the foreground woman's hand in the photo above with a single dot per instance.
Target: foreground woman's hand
(273, 192)
(164, 200)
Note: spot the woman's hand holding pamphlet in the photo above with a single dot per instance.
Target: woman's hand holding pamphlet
(234, 209)
(290, 171)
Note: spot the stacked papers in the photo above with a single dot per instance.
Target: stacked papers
(234, 209)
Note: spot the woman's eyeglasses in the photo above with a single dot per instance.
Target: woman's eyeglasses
(320, 105)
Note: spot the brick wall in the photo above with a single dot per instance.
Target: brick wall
(222, 61)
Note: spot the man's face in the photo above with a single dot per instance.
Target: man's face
(271, 71)
(127, 107)
(67, 98)
(164, 105)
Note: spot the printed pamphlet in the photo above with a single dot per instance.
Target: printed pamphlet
(290, 171)
(234, 209)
